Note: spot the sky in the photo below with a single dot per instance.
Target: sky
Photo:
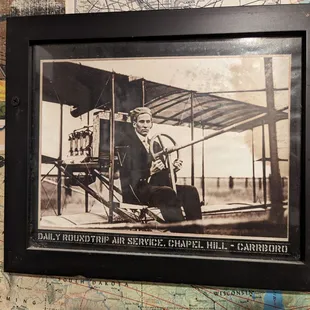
(226, 155)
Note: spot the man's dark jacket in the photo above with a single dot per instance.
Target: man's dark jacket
(135, 170)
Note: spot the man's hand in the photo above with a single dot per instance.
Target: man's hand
(177, 164)
(157, 166)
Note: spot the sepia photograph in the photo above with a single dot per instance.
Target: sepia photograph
(180, 146)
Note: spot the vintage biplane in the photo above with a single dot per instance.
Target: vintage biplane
(96, 150)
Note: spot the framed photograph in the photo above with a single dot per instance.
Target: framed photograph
(167, 146)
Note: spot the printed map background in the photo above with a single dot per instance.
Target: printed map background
(25, 292)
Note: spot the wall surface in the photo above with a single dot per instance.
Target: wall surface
(25, 292)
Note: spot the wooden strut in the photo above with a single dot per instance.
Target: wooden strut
(167, 151)
(276, 193)
(253, 168)
(86, 177)
(116, 205)
(192, 146)
(118, 190)
(63, 186)
(203, 168)
(59, 158)
(227, 129)
(171, 172)
(105, 181)
(264, 163)
(112, 145)
(98, 197)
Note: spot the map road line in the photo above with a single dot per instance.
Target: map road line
(209, 297)
(99, 290)
(170, 302)
(84, 298)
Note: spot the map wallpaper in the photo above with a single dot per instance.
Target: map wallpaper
(48, 293)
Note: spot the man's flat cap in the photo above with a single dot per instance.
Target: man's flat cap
(138, 111)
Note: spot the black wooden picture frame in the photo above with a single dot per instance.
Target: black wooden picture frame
(33, 43)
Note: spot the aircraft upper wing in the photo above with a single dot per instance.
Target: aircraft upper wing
(85, 88)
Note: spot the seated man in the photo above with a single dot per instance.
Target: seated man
(147, 182)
